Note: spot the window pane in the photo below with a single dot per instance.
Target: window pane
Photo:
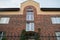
(30, 16)
(32, 26)
(4, 20)
(55, 20)
(1, 35)
(58, 35)
(29, 26)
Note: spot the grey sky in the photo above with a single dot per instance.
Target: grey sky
(17, 3)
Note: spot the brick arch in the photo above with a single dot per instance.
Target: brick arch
(34, 10)
(35, 15)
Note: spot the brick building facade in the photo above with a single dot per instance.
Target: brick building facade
(43, 22)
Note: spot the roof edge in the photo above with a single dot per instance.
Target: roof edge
(9, 9)
(50, 9)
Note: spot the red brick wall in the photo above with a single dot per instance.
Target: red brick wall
(17, 24)
(45, 24)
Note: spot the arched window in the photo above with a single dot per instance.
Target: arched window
(29, 19)
(30, 14)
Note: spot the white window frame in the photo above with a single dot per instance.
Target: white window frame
(29, 9)
(4, 20)
(29, 26)
(1, 36)
(55, 20)
(58, 35)
(30, 16)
